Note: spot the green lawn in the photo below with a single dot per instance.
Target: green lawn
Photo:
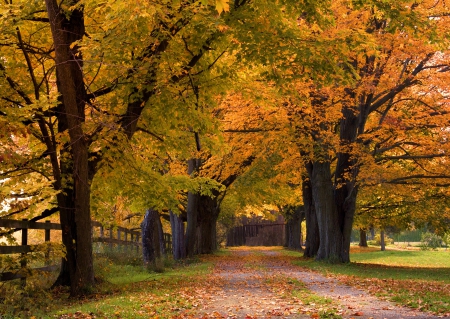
(125, 291)
(419, 279)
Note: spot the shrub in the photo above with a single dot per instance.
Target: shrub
(377, 240)
(430, 241)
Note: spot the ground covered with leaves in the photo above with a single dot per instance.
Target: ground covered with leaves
(253, 283)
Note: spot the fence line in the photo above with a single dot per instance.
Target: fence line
(125, 237)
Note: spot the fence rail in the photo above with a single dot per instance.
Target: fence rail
(115, 236)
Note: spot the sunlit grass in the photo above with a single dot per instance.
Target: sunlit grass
(418, 279)
(409, 258)
(123, 291)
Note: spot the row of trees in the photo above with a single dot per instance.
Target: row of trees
(198, 110)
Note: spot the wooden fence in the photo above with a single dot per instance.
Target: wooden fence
(121, 236)
(268, 234)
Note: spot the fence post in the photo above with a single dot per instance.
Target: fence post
(23, 262)
(126, 240)
(47, 240)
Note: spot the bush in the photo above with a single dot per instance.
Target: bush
(377, 240)
(446, 239)
(430, 241)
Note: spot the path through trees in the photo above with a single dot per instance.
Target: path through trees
(253, 283)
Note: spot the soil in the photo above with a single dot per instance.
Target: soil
(244, 285)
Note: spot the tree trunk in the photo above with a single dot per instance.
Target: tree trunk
(312, 227)
(152, 239)
(331, 239)
(362, 237)
(192, 213)
(382, 241)
(71, 87)
(178, 247)
(335, 200)
(293, 227)
(207, 221)
(68, 227)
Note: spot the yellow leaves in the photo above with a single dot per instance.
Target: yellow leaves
(222, 5)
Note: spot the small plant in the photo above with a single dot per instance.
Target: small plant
(329, 314)
(377, 240)
(430, 241)
(446, 239)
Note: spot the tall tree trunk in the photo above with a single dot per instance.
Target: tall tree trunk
(312, 227)
(331, 239)
(152, 239)
(71, 87)
(68, 227)
(293, 227)
(347, 169)
(192, 213)
(335, 200)
(207, 221)
(382, 240)
(362, 237)
(178, 246)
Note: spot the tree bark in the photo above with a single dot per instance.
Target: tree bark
(312, 227)
(178, 245)
(207, 222)
(382, 241)
(293, 231)
(335, 198)
(192, 213)
(152, 238)
(331, 239)
(362, 237)
(71, 87)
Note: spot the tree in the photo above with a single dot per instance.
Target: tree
(94, 109)
(153, 248)
(347, 119)
(294, 216)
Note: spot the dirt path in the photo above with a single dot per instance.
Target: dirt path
(253, 284)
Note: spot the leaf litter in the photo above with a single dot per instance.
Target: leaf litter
(254, 284)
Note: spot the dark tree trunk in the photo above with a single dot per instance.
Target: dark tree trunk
(293, 226)
(382, 241)
(178, 247)
(71, 86)
(152, 238)
(335, 199)
(312, 227)
(192, 213)
(207, 221)
(372, 233)
(362, 237)
(68, 227)
(347, 169)
(331, 239)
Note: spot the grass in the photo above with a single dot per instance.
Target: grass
(418, 279)
(125, 291)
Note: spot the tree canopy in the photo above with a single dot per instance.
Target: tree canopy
(232, 104)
